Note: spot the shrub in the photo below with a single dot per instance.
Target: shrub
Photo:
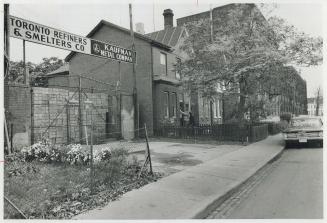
(110, 170)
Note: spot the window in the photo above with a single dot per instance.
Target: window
(166, 104)
(173, 104)
(215, 109)
(163, 61)
(178, 68)
(163, 58)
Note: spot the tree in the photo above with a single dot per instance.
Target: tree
(245, 54)
(37, 71)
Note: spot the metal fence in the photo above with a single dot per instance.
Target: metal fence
(220, 132)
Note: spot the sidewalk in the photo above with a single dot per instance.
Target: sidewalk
(192, 193)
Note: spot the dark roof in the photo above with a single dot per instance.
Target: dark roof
(168, 36)
(61, 70)
(136, 35)
(219, 13)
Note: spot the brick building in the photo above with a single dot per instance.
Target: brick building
(157, 80)
(205, 110)
(292, 96)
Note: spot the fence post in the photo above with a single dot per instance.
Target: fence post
(91, 161)
(80, 108)
(11, 136)
(148, 148)
(67, 122)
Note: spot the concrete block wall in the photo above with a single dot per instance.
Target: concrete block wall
(49, 114)
(60, 122)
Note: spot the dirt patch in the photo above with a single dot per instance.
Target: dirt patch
(176, 159)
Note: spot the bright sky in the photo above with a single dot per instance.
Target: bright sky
(81, 18)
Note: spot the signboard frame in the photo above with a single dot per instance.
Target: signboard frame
(108, 50)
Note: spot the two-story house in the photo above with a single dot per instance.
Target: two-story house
(156, 79)
(206, 110)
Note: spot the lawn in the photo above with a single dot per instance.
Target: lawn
(60, 190)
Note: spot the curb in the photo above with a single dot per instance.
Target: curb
(204, 212)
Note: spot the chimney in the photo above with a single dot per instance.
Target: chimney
(169, 18)
(140, 28)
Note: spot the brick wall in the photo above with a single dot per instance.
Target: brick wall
(159, 105)
(18, 113)
(108, 70)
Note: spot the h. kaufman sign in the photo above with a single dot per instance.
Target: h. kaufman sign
(34, 32)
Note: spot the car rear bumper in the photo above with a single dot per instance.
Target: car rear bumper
(304, 140)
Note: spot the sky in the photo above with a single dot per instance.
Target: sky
(81, 18)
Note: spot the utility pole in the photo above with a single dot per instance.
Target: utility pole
(6, 40)
(134, 72)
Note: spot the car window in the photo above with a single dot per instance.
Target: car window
(306, 123)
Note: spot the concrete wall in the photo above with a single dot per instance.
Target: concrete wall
(56, 115)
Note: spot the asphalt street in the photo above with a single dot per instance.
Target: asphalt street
(293, 188)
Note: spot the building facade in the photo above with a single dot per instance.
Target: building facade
(206, 110)
(291, 96)
(315, 107)
(157, 84)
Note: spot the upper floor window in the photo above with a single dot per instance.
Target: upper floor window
(178, 68)
(163, 61)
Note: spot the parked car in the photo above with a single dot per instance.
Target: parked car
(304, 130)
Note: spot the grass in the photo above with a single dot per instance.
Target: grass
(60, 191)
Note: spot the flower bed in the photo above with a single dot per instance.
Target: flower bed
(50, 182)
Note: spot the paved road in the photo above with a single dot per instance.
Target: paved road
(291, 188)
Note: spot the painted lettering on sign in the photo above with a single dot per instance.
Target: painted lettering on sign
(33, 32)
(110, 51)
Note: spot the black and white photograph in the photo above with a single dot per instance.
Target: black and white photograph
(163, 110)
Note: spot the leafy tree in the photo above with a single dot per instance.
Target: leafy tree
(37, 71)
(245, 54)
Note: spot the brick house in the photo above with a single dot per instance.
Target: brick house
(156, 79)
(205, 110)
(286, 101)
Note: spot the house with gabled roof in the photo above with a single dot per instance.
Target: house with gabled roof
(205, 110)
(157, 81)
